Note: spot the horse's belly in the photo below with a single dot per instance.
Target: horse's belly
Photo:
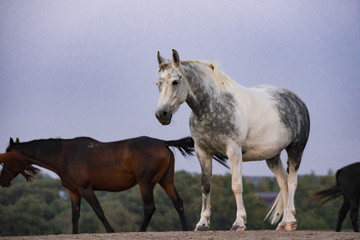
(259, 154)
(113, 182)
(262, 149)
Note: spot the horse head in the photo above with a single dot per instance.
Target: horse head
(14, 163)
(173, 87)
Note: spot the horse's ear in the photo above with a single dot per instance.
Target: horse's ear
(160, 58)
(11, 141)
(17, 140)
(176, 58)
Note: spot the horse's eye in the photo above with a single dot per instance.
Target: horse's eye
(175, 82)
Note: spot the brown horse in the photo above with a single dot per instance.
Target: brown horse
(85, 165)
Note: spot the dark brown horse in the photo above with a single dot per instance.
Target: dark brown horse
(85, 165)
(347, 185)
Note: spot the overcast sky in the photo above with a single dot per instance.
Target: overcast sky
(89, 68)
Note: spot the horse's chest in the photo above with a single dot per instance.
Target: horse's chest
(212, 134)
(215, 116)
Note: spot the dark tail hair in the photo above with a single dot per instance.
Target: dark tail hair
(331, 193)
(186, 147)
(222, 159)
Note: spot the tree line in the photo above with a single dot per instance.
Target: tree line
(43, 206)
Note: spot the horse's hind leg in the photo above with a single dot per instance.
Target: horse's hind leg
(294, 152)
(147, 196)
(342, 213)
(276, 166)
(89, 196)
(354, 209)
(75, 209)
(170, 190)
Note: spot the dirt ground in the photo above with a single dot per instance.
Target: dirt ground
(246, 235)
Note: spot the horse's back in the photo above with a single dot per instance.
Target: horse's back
(146, 146)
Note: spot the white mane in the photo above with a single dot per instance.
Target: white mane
(223, 81)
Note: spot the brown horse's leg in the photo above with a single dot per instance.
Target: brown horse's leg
(149, 205)
(75, 207)
(89, 196)
(170, 190)
(167, 183)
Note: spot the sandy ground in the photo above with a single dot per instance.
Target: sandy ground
(246, 235)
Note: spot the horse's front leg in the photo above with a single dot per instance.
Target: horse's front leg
(206, 170)
(75, 210)
(234, 154)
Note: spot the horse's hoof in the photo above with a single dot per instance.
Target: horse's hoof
(291, 226)
(202, 228)
(242, 228)
(238, 228)
(280, 228)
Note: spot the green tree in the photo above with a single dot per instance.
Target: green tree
(43, 206)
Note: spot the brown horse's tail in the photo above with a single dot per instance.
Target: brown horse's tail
(186, 147)
(325, 195)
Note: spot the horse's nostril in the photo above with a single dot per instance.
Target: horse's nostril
(161, 114)
(164, 116)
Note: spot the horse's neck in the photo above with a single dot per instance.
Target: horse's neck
(203, 89)
(47, 161)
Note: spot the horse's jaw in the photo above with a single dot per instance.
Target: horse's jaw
(165, 123)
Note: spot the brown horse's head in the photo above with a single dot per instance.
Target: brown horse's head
(14, 163)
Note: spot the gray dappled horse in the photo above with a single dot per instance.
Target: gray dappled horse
(244, 124)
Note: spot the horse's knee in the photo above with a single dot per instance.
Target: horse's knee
(205, 184)
(237, 188)
(205, 188)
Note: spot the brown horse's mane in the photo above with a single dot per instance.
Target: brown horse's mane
(18, 163)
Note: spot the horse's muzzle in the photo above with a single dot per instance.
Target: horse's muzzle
(164, 116)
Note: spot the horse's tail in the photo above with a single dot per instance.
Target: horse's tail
(276, 210)
(325, 195)
(222, 159)
(186, 147)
